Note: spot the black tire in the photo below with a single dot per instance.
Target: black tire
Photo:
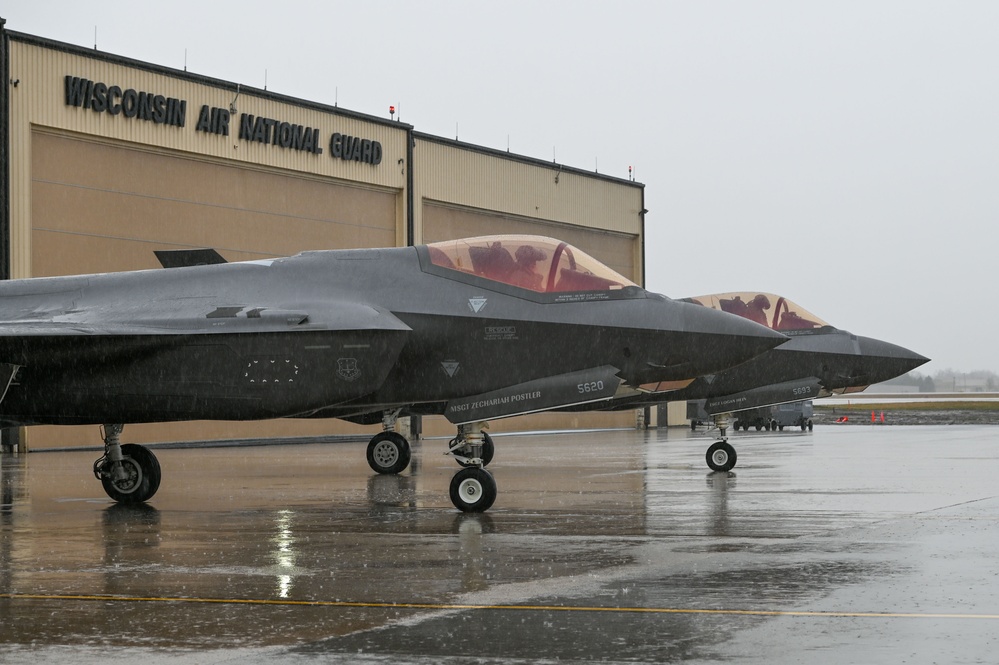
(810, 426)
(488, 450)
(721, 456)
(388, 452)
(759, 426)
(143, 475)
(473, 490)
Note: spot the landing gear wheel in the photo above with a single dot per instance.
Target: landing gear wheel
(488, 450)
(388, 452)
(810, 425)
(136, 479)
(473, 490)
(721, 456)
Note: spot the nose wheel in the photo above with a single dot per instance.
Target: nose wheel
(473, 490)
(721, 456)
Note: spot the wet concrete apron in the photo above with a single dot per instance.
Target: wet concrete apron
(841, 545)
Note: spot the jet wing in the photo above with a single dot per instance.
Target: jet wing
(192, 359)
(55, 333)
(190, 316)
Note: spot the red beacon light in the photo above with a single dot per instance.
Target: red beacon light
(392, 111)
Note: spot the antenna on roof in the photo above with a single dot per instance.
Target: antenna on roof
(185, 60)
(95, 37)
(232, 104)
(265, 79)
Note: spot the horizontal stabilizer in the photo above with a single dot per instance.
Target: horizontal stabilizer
(588, 385)
(777, 393)
(185, 258)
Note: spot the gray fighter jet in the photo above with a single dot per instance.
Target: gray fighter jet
(819, 360)
(473, 329)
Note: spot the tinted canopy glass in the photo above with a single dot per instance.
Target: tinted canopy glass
(776, 312)
(536, 263)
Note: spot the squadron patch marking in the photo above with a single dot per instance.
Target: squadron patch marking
(347, 369)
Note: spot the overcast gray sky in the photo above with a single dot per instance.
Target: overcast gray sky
(842, 154)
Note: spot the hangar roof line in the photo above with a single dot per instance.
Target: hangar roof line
(305, 103)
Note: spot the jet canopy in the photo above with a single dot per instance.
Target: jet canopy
(536, 263)
(772, 311)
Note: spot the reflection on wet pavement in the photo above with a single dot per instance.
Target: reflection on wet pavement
(871, 544)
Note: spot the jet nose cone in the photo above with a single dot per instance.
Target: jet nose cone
(727, 340)
(885, 360)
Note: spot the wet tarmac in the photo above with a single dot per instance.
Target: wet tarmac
(843, 545)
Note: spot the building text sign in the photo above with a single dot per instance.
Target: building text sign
(140, 105)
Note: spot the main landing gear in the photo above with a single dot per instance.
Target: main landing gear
(130, 473)
(473, 489)
(721, 455)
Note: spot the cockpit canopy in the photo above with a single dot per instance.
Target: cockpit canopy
(537, 263)
(772, 311)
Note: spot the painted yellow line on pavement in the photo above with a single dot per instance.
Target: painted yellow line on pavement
(459, 606)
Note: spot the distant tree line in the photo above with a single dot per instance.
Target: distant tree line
(949, 380)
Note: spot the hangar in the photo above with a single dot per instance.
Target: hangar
(106, 159)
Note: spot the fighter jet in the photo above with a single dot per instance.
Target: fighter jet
(819, 360)
(473, 329)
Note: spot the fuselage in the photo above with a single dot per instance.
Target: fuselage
(334, 333)
(836, 360)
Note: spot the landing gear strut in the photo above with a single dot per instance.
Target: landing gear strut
(463, 453)
(721, 455)
(473, 489)
(130, 473)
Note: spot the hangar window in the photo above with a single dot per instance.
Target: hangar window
(773, 311)
(536, 263)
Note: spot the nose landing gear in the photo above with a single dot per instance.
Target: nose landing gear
(473, 489)
(721, 455)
